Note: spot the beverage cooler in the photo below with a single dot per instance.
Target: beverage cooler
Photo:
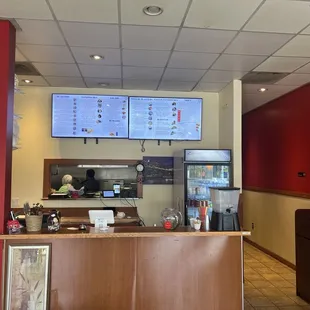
(195, 171)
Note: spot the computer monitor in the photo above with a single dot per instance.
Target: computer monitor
(101, 214)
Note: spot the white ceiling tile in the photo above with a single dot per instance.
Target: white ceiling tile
(271, 89)
(173, 14)
(93, 71)
(217, 14)
(250, 43)
(91, 35)
(204, 40)
(31, 9)
(140, 84)
(176, 85)
(36, 80)
(295, 79)
(111, 56)
(211, 87)
(142, 73)
(304, 69)
(280, 16)
(60, 81)
(237, 62)
(306, 31)
(19, 56)
(187, 75)
(39, 32)
(145, 58)
(48, 69)
(111, 83)
(298, 46)
(45, 53)
(214, 76)
(148, 38)
(103, 11)
(282, 64)
(191, 60)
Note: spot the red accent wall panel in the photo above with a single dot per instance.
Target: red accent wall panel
(276, 144)
(7, 60)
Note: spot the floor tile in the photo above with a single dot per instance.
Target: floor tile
(282, 283)
(266, 308)
(252, 292)
(281, 270)
(265, 270)
(282, 301)
(255, 265)
(289, 291)
(262, 284)
(299, 301)
(272, 292)
(273, 277)
(248, 284)
(288, 276)
(292, 308)
(254, 276)
(260, 302)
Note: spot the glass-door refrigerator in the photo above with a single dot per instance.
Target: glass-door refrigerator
(195, 171)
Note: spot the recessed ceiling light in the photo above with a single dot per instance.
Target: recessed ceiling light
(262, 90)
(27, 81)
(96, 57)
(103, 84)
(152, 10)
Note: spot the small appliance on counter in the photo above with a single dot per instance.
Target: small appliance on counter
(225, 208)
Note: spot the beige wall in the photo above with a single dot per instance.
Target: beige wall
(230, 130)
(274, 221)
(36, 144)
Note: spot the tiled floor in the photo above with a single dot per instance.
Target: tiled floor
(269, 285)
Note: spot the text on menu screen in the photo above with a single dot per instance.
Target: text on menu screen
(89, 116)
(165, 118)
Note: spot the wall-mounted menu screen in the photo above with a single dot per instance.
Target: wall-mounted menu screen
(89, 116)
(155, 118)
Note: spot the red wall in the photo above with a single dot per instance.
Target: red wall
(276, 144)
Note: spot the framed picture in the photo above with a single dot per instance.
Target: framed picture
(28, 277)
(158, 170)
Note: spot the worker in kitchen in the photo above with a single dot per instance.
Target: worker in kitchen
(66, 184)
(90, 185)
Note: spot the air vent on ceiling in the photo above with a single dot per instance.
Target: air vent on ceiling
(25, 68)
(263, 77)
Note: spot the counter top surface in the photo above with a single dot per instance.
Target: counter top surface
(121, 232)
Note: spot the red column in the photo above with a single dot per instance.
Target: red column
(7, 59)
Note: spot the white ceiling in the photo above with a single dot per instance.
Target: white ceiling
(194, 45)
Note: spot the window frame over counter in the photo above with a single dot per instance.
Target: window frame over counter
(74, 162)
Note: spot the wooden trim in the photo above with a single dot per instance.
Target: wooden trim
(73, 162)
(276, 256)
(277, 192)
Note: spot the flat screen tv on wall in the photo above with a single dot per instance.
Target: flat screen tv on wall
(158, 118)
(89, 116)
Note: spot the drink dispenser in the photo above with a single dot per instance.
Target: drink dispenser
(225, 208)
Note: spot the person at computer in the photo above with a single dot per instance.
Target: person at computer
(90, 185)
(66, 184)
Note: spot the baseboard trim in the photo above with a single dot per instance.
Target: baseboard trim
(277, 257)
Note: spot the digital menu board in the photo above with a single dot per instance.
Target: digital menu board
(89, 116)
(155, 118)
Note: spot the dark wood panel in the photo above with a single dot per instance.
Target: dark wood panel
(189, 273)
(168, 273)
(92, 274)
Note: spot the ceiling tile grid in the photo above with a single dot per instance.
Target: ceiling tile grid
(193, 45)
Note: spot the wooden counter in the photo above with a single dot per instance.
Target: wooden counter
(121, 232)
(143, 268)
